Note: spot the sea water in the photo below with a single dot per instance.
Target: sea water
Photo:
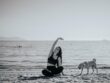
(35, 53)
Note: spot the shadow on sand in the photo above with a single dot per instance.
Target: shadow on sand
(40, 77)
(33, 77)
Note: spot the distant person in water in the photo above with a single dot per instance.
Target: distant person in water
(54, 62)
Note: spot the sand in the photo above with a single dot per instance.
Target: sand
(71, 76)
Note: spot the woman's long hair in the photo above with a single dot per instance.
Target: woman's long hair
(59, 54)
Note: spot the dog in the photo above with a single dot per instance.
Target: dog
(87, 65)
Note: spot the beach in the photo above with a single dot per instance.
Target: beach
(71, 76)
(23, 61)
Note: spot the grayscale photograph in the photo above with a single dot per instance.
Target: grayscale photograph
(54, 41)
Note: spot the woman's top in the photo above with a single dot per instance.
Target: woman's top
(53, 61)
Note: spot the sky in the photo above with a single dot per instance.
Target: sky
(49, 19)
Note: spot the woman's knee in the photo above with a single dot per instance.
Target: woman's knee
(46, 72)
(58, 70)
(61, 68)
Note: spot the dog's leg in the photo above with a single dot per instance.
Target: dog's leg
(87, 70)
(92, 70)
(96, 70)
(81, 71)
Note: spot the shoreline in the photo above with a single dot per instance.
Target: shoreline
(18, 67)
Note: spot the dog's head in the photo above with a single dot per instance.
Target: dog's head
(81, 65)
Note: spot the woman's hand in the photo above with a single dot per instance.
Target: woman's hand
(60, 38)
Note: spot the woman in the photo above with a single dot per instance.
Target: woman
(54, 63)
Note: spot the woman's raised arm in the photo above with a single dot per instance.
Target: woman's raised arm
(52, 48)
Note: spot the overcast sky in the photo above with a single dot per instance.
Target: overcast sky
(49, 19)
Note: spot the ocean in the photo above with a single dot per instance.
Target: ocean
(35, 53)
